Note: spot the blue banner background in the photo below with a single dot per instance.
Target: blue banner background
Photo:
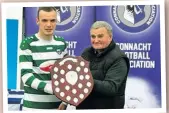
(150, 35)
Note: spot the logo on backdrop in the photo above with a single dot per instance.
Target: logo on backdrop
(134, 18)
(68, 17)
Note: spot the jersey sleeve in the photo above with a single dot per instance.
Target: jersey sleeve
(26, 68)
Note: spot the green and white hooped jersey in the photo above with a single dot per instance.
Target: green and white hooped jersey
(36, 56)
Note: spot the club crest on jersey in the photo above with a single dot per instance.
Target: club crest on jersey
(134, 18)
(67, 17)
(58, 51)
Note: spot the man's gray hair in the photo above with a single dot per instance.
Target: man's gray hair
(99, 24)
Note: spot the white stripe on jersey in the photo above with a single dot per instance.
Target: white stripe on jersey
(26, 77)
(45, 43)
(47, 55)
(25, 52)
(25, 65)
(40, 98)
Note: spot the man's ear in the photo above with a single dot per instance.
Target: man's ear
(37, 21)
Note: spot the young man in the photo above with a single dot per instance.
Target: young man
(37, 54)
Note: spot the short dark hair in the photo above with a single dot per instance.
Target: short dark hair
(47, 9)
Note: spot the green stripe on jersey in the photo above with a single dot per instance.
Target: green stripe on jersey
(42, 76)
(25, 71)
(25, 58)
(25, 44)
(37, 63)
(41, 105)
(34, 91)
(39, 76)
(41, 86)
(30, 80)
(58, 38)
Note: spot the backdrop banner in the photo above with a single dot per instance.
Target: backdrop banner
(136, 29)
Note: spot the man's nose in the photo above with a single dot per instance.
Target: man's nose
(48, 23)
(96, 39)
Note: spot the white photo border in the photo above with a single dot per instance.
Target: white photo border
(4, 7)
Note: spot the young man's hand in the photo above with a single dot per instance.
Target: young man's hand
(62, 107)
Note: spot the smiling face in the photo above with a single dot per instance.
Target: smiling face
(46, 22)
(100, 38)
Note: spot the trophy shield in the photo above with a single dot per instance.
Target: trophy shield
(72, 80)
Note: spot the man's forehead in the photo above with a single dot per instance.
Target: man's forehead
(95, 31)
(45, 13)
(99, 29)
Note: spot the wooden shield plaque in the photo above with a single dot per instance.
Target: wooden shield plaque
(72, 80)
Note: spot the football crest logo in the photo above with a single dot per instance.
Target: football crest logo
(134, 18)
(67, 17)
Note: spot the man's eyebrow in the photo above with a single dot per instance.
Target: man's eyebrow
(48, 19)
(52, 19)
(92, 35)
(100, 34)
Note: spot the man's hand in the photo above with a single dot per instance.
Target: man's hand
(62, 107)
